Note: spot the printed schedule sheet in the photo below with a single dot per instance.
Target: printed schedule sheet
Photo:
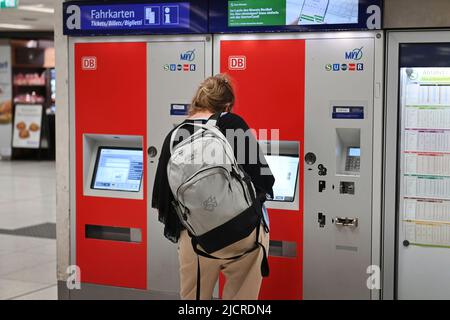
(425, 157)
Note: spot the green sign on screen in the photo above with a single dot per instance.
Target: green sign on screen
(256, 13)
(245, 13)
(8, 4)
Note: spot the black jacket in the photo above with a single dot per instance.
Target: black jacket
(162, 194)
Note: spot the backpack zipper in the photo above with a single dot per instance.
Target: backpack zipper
(243, 188)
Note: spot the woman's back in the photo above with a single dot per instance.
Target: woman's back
(244, 238)
(246, 151)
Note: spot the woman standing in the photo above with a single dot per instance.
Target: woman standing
(243, 276)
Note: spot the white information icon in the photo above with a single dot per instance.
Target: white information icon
(171, 15)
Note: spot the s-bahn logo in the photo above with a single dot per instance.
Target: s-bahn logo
(344, 67)
(188, 56)
(180, 67)
(355, 54)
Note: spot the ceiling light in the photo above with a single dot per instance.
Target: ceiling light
(37, 8)
(32, 44)
(15, 26)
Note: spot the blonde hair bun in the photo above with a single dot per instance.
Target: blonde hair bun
(215, 94)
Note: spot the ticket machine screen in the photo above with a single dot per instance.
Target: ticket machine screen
(352, 162)
(118, 169)
(285, 171)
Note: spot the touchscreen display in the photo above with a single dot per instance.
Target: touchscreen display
(118, 169)
(285, 171)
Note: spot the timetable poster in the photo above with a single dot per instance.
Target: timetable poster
(425, 156)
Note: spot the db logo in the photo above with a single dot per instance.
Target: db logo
(237, 63)
(89, 63)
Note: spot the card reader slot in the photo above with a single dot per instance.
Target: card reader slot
(113, 233)
(282, 249)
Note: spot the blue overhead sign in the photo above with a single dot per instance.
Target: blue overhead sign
(115, 17)
(87, 18)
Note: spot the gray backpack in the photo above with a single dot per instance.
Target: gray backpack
(214, 198)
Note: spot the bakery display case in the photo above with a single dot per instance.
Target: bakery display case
(33, 96)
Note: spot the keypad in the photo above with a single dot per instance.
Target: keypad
(352, 164)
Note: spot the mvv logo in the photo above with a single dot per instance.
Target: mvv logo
(355, 54)
(188, 56)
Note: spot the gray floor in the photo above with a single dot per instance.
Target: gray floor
(27, 213)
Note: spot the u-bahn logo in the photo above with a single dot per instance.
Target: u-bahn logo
(355, 54)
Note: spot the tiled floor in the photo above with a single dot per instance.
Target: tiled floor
(27, 198)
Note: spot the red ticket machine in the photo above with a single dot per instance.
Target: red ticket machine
(126, 97)
(269, 79)
(312, 95)
(108, 113)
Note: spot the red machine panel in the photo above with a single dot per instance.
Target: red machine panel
(269, 77)
(110, 98)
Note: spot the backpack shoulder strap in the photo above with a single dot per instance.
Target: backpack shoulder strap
(212, 121)
(209, 126)
(175, 132)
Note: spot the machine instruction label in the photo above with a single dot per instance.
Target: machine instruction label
(348, 112)
(179, 109)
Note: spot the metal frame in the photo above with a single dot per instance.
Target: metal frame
(62, 154)
(156, 279)
(6, 43)
(390, 161)
(377, 170)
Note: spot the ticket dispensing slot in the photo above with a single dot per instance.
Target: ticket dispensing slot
(113, 233)
(283, 160)
(113, 166)
(282, 249)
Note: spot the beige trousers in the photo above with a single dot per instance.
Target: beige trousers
(243, 276)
